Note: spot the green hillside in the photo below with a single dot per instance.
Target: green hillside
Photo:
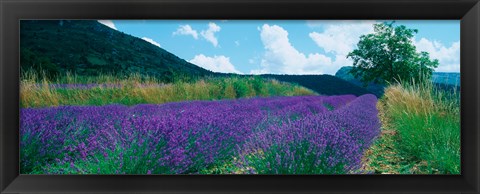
(88, 48)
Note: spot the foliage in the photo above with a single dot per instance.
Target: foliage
(388, 55)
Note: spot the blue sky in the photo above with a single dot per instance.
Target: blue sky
(283, 46)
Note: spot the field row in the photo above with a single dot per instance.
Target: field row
(276, 135)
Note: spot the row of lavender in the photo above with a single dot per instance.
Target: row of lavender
(328, 143)
(277, 135)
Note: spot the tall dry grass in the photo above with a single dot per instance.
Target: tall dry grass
(37, 91)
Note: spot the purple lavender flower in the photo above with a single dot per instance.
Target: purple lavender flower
(186, 137)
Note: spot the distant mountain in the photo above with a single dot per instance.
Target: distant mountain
(344, 73)
(447, 78)
(322, 84)
(442, 80)
(86, 47)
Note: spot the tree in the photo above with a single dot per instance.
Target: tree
(388, 55)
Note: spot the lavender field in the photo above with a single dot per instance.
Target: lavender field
(274, 135)
(238, 97)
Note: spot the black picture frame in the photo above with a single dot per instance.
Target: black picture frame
(468, 11)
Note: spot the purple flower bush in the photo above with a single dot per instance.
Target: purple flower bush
(271, 135)
(328, 143)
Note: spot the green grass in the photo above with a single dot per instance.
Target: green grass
(425, 130)
(36, 90)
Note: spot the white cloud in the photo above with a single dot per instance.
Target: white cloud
(237, 43)
(209, 34)
(151, 41)
(216, 63)
(108, 23)
(448, 57)
(186, 30)
(341, 37)
(282, 58)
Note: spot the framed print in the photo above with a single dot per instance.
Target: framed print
(239, 96)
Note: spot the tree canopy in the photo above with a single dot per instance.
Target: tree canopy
(388, 55)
